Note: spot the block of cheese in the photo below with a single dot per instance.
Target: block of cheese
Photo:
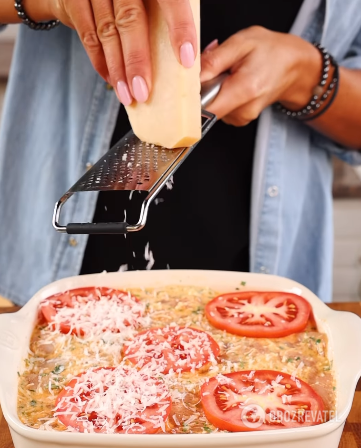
(172, 115)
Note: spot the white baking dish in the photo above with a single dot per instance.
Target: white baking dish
(343, 329)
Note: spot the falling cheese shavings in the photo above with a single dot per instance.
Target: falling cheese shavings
(131, 195)
(169, 184)
(158, 201)
(148, 256)
(123, 268)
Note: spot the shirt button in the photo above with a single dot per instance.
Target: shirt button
(273, 191)
(73, 242)
(109, 86)
(88, 165)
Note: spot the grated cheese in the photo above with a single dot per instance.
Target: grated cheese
(115, 400)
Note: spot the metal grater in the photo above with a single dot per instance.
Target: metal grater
(134, 165)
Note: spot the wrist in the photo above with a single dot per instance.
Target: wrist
(305, 73)
(39, 10)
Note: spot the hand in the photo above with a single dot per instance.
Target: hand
(265, 67)
(115, 36)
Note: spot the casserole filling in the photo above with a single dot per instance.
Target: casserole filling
(166, 332)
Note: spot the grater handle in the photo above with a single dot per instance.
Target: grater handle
(211, 88)
(101, 228)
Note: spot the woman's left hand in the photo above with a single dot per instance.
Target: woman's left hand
(265, 67)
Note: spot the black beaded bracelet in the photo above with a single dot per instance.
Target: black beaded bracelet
(45, 26)
(314, 104)
(334, 86)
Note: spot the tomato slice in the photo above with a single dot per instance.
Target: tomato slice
(259, 314)
(114, 401)
(182, 349)
(260, 400)
(92, 310)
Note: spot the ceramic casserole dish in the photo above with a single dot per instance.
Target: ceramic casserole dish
(343, 331)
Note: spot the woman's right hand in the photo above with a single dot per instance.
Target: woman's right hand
(115, 36)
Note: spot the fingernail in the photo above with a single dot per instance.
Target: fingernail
(187, 55)
(211, 46)
(124, 93)
(140, 89)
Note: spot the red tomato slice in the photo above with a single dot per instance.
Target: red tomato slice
(179, 348)
(260, 400)
(82, 310)
(110, 400)
(259, 314)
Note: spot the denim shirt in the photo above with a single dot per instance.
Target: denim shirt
(58, 120)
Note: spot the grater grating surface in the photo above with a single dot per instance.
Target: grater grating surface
(130, 165)
(134, 165)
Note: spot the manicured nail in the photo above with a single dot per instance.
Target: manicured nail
(124, 93)
(211, 46)
(140, 89)
(187, 55)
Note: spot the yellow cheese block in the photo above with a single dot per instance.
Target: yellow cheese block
(172, 115)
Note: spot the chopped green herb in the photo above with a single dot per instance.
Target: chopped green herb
(58, 369)
(334, 388)
(237, 289)
(197, 310)
(33, 403)
(329, 367)
(243, 283)
(18, 373)
(207, 428)
(55, 386)
(318, 341)
(147, 305)
(298, 358)
(280, 346)
(289, 360)
(242, 364)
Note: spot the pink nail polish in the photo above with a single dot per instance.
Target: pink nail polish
(211, 46)
(124, 93)
(140, 89)
(187, 55)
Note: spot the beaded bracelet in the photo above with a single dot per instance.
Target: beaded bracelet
(334, 85)
(45, 26)
(315, 104)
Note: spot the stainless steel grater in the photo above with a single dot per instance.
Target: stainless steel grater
(134, 165)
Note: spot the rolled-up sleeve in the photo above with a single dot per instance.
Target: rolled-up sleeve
(353, 61)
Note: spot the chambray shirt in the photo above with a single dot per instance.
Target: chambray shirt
(58, 120)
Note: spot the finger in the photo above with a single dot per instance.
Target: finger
(214, 44)
(132, 25)
(182, 30)
(81, 15)
(112, 48)
(225, 56)
(243, 115)
(238, 90)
